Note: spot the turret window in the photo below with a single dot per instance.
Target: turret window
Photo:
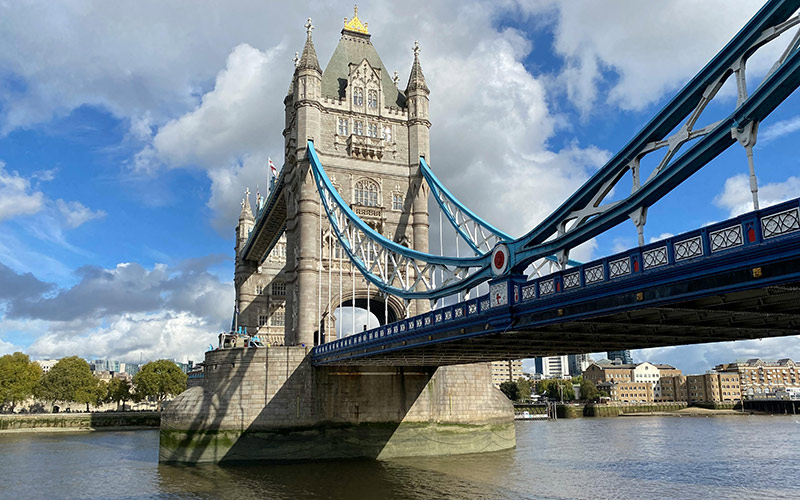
(278, 288)
(397, 201)
(278, 317)
(372, 99)
(366, 194)
(358, 97)
(342, 126)
(372, 130)
(387, 133)
(358, 128)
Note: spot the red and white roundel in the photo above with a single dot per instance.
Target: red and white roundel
(499, 259)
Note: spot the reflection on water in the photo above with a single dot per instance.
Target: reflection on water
(642, 457)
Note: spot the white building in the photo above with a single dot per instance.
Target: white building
(553, 366)
(46, 364)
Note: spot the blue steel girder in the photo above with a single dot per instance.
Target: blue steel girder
(390, 266)
(479, 235)
(582, 216)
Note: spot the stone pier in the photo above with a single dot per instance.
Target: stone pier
(272, 404)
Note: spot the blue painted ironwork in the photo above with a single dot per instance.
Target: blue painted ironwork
(763, 233)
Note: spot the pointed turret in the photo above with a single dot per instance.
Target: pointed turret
(309, 58)
(247, 213)
(416, 80)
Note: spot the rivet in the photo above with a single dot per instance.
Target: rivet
(757, 272)
(639, 295)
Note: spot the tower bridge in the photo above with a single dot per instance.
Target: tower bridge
(347, 225)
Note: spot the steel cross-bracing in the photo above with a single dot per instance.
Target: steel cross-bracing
(410, 274)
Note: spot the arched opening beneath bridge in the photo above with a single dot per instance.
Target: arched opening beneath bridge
(353, 315)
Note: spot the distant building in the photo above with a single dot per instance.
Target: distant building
(46, 364)
(706, 388)
(506, 371)
(762, 379)
(630, 382)
(624, 357)
(552, 366)
(577, 363)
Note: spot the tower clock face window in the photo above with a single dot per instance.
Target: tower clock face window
(358, 97)
(372, 99)
(366, 194)
(358, 128)
(342, 126)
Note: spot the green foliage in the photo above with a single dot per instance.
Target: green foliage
(119, 389)
(70, 379)
(159, 379)
(588, 390)
(18, 378)
(511, 390)
(524, 386)
(556, 389)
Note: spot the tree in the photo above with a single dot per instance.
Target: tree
(160, 379)
(524, 386)
(18, 378)
(589, 390)
(119, 389)
(510, 389)
(556, 389)
(70, 379)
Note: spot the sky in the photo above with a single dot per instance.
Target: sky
(129, 131)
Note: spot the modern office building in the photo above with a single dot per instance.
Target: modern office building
(506, 371)
(552, 366)
(624, 357)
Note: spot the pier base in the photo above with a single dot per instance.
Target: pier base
(271, 404)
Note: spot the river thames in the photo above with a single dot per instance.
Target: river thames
(750, 457)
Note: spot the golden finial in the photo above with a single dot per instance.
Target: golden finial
(355, 24)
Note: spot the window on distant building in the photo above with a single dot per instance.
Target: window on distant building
(366, 193)
(387, 133)
(372, 99)
(372, 130)
(397, 201)
(358, 97)
(278, 317)
(278, 288)
(342, 126)
(262, 320)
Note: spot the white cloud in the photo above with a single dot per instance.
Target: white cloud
(640, 50)
(8, 348)
(737, 199)
(696, 359)
(75, 213)
(778, 130)
(662, 236)
(16, 195)
(130, 337)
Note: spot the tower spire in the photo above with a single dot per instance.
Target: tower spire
(247, 213)
(416, 80)
(309, 58)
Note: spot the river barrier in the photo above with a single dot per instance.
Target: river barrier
(45, 422)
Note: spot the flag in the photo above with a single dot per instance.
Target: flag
(272, 170)
(273, 174)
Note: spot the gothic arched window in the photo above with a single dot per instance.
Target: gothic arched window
(342, 126)
(372, 98)
(366, 193)
(358, 128)
(358, 97)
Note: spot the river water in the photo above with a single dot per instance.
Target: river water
(742, 457)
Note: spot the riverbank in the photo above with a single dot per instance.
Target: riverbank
(59, 422)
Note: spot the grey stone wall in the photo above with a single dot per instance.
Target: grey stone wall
(263, 403)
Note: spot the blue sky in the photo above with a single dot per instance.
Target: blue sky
(129, 132)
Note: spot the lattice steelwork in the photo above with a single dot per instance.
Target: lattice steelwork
(687, 249)
(655, 257)
(728, 237)
(593, 274)
(782, 223)
(619, 267)
(390, 266)
(588, 212)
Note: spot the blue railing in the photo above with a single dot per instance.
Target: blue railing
(754, 228)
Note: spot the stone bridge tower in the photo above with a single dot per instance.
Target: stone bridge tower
(369, 135)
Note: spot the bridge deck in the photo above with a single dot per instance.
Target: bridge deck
(738, 279)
